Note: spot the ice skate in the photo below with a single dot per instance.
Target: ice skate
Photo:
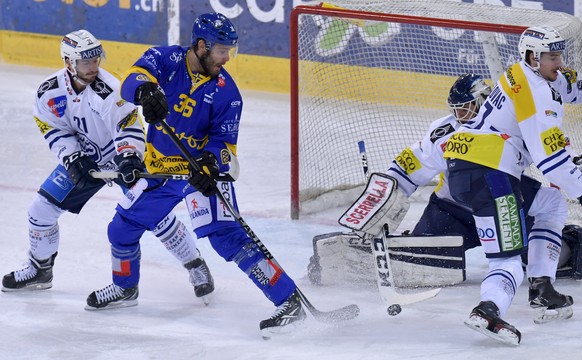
(201, 279)
(112, 297)
(36, 275)
(286, 317)
(549, 304)
(485, 319)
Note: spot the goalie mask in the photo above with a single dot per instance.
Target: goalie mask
(466, 97)
(80, 45)
(539, 40)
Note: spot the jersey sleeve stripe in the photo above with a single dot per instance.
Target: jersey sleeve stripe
(555, 165)
(57, 138)
(552, 158)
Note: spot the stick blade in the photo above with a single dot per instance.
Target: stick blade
(403, 297)
(345, 313)
(342, 314)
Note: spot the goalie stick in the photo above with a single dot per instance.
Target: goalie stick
(391, 295)
(345, 313)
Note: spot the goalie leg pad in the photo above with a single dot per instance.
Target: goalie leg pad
(416, 261)
(380, 203)
(572, 240)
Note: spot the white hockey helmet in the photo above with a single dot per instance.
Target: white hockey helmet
(80, 45)
(540, 39)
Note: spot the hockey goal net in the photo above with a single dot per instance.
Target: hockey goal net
(380, 71)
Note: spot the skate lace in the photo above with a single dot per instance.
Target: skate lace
(109, 293)
(26, 273)
(281, 309)
(199, 275)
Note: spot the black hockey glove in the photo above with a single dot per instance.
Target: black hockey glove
(153, 101)
(205, 180)
(130, 165)
(79, 166)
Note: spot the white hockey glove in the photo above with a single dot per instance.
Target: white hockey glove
(380, 203)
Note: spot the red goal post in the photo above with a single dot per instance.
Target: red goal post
(383, 76)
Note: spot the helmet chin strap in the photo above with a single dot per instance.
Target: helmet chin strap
(77, 78)
(73, 72)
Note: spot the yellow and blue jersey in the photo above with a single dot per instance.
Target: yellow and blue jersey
(201, 119)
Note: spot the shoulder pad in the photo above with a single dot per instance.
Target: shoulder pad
(49, 84)
(441, 131)
(101, 88)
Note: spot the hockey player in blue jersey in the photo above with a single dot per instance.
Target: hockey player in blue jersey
(89, 128)
(190, 89)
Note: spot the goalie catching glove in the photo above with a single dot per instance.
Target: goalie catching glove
(380, 203)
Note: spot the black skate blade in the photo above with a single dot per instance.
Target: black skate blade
(544, 315)
(480, 325)
(114, 305)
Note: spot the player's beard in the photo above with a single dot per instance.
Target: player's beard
(209, 65)
(86, 79)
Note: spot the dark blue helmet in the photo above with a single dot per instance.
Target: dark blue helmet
(467, 93)
(214, 28)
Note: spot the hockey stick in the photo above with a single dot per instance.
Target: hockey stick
(391, 295)
(345, 313)
(115, 174)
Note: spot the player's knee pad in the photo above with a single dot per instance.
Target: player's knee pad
(42, 214)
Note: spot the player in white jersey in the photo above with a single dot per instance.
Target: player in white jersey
(89, 127)
(519, 124)
(417, 165)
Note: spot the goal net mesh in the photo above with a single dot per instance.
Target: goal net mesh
(380, 71)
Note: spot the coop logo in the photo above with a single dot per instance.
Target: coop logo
(58, 105)
(408, 161)
(459, 143)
